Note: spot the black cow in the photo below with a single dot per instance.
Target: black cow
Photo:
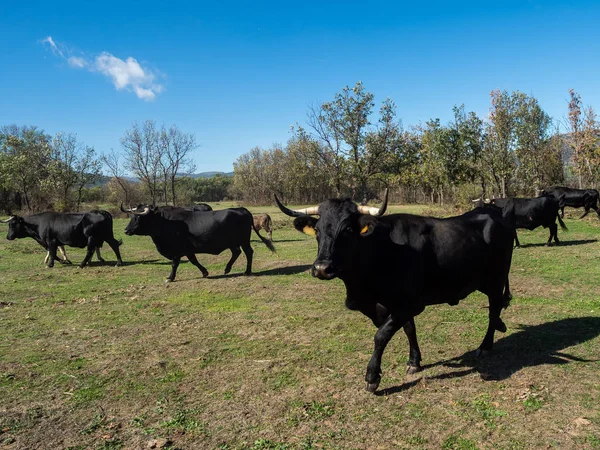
(575, 198)
(394, 266)
(53, 229)
(529, 213)
(178, 232)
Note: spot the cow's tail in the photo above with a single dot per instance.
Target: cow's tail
(268, 243)
(560, 221)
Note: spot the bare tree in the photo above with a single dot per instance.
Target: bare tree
(175, 148)
(114, 163)
(143, 155)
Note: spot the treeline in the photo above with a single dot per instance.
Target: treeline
(346, 149)
(42, 172)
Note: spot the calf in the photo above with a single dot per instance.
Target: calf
(263, 221)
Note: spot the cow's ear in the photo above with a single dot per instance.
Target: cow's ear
(306, 224)
(366, 225)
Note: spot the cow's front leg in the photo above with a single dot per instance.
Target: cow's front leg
(51, 254)
(91, 247)
(384, 334)
(174, 265)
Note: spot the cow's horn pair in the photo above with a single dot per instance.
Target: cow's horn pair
(7, 220)
(314, 210)
(131, 211)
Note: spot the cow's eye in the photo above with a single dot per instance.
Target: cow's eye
(348, 230)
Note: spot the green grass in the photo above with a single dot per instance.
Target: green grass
(107, 357)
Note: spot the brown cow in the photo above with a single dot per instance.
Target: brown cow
(264, 221)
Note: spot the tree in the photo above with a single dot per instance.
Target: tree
(143, 155)
(175, 150)
(533, 131)
(25, 155)
(498, 150)
(115, 167)
(348, 148)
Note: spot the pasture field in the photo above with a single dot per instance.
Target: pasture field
(111, 358)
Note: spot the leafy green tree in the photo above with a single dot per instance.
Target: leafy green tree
(25, 153)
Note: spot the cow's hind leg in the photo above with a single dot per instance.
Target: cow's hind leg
(63, 253)
(517, 243)
(414, 357)
(495, 324)
(586, 212)
(235, 253)
(114, 244)
(553, 233)
(383, 336)
(248, 252)
(174, 265)
(192, 258)
(99, 256)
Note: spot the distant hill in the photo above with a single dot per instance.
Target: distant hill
(211, 174)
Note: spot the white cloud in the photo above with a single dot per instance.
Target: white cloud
(57, 51)
(125, 74)
(76, 61)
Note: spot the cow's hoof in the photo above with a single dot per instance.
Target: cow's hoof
(204, 274)
(226, 272)
(410, 370)
(81, 266)
(119, 264)
(482, 353)
(168, 280)
(248, 274)
(501, 326)
(372, 387)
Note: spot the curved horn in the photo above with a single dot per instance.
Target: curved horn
(375, 211)
(313, 210)
(143, 213)
(7, 220)
(124, 210)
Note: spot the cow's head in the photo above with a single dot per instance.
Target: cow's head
(16, 228)
(339, 228)
(141, 220)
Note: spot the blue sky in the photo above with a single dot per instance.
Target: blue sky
(239, 74)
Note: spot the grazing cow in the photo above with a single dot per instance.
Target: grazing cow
(575, 198)
(263, 221)
(178, 232)
(529, 213)
(52, 229)
(394, 266)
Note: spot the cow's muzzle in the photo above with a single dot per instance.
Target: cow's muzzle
(323, 270)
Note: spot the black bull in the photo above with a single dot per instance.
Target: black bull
(53, 229)
(575, 198)
(394, 266)
(529, 213)
(178, 232)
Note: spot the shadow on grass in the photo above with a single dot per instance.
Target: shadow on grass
(562, 243)
(530, 346)
(276, 241)
(290, 270)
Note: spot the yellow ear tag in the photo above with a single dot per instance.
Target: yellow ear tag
(309, 230)
(365, 229)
